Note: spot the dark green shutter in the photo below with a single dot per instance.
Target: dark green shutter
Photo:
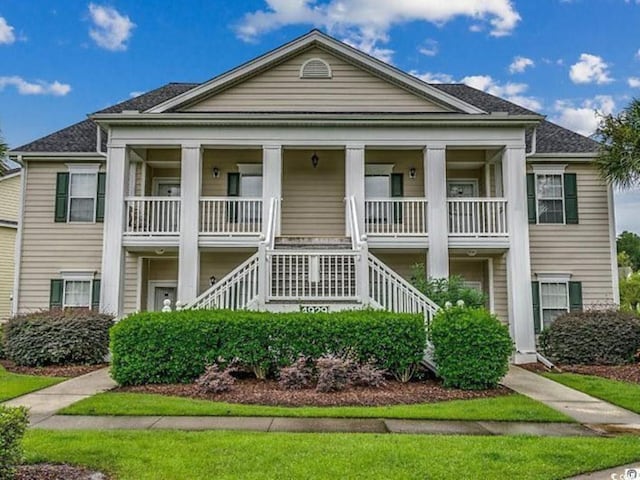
(535, 294)
(102, 177)
(575, 296)
(55, 293)
(62, 196)
(397, 190)
(570, 198)
(531, 197)
(95, 295)
(233, 190)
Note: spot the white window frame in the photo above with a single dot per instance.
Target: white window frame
(465, 181)
(552, 278)
(83, 169)
(77, 276)
(542, 170)
(157, 181)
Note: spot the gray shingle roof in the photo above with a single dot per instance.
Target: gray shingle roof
(81, 137)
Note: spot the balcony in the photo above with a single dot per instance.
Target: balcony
(396, 217)
(152, 216)
(230, 216)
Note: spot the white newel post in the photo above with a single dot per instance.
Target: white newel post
(113, 252)
(435, 168)
(518, 260)
(354, 187)
(189, 256)
(271, 181)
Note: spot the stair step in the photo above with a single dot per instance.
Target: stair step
(313, 243)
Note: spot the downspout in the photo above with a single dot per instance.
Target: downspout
(99, 141)
(533, 142)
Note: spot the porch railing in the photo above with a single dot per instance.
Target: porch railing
(230, 216)
(315, 276)
(152, 216)
(477, 217)
(396, 216)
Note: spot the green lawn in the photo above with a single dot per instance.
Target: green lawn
(510, 407)
(142, 455)
(623, 394)
(12, 385)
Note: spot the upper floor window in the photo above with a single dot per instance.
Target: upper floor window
(80, 194)
(552, 195)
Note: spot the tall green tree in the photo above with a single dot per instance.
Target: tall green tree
(619, 156)
(629, 244)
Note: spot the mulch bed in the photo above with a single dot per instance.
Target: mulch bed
(47, 471)
(267, 392)
(53, 370)
(625, 373)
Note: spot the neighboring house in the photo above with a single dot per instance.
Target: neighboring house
(314, 177)
(9, 215)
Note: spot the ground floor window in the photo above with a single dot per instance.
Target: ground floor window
(77, 293)
(554, 301)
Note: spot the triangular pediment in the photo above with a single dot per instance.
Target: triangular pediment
(278, 82)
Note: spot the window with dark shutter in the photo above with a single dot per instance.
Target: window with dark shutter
(531, 197)
(575, 296)
(100, 198)
(62, 196)
(95, 295)
(535, 294)
(55, 293)
(571, 198)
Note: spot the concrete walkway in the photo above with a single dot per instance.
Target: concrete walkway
(46, 402)
(606, 474)
(585, 409)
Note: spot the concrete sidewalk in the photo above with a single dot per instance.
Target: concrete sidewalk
(581, 407)
(46, 402)
(313, 425)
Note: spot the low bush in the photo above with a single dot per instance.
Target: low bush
(471, 347)
(13, 423)
(298, 376)
(368, 375)
(215, 380)
(446, 290)
(175, 347)
(58, 337)
(334, 373)
(606, 337)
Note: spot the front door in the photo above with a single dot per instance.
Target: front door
(160, 294)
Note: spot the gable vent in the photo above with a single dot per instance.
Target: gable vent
(315, 68)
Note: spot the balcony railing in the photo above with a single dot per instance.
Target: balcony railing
(396, 216)
(152, 216)
(477, 217)
(230, 216)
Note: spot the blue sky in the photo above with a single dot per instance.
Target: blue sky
(565, 58)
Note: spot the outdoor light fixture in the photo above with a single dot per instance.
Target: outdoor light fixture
(412, 172)
(216, 172)
(315, 159)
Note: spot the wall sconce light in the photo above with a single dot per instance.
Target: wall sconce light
(315, 159)
(216, 172)
(212, 280)
(412, 172)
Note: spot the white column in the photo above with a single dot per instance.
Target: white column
(271, 181)
(354, 182)
(112, 273)
(189, 256)
(518, 260)
(435, 168)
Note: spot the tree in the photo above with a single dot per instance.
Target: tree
(629, 243)
(630, 293)
(619, 156)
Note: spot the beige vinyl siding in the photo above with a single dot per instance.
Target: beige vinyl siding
(582, 250)
(227, 162)
(403, 161)
(500, 295)
(130, 288)
(219, 264)
(7, 252)
(313, 198)
(401, 262)
(10, 195)
(282, 89)
(48, 247)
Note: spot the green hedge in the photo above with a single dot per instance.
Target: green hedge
(471, 347)
(156, 347)
(13, 423)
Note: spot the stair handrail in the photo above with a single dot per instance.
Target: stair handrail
(270, 233)
(357, 239)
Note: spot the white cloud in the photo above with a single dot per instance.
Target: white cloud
(520, 64)
(513, 92)
(433, 77)
(638, 54)
(38, 87)
(582, 118)
(111, 29)
(6, 32)
(136, 94)
(590, 69)
(634, 82)
(367, 23)
(429, 48)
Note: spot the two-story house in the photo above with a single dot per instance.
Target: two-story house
(315, 176)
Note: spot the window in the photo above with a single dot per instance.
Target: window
(77, 293)
(550, 194)
(554, 301)
(83, 190)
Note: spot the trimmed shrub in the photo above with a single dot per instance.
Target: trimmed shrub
(605, 337)
(443, 290)
(175, 347)
(297, 376)
(214, 380)
(58, 337)
(471, 347)
(334, 373)
(13, 423)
